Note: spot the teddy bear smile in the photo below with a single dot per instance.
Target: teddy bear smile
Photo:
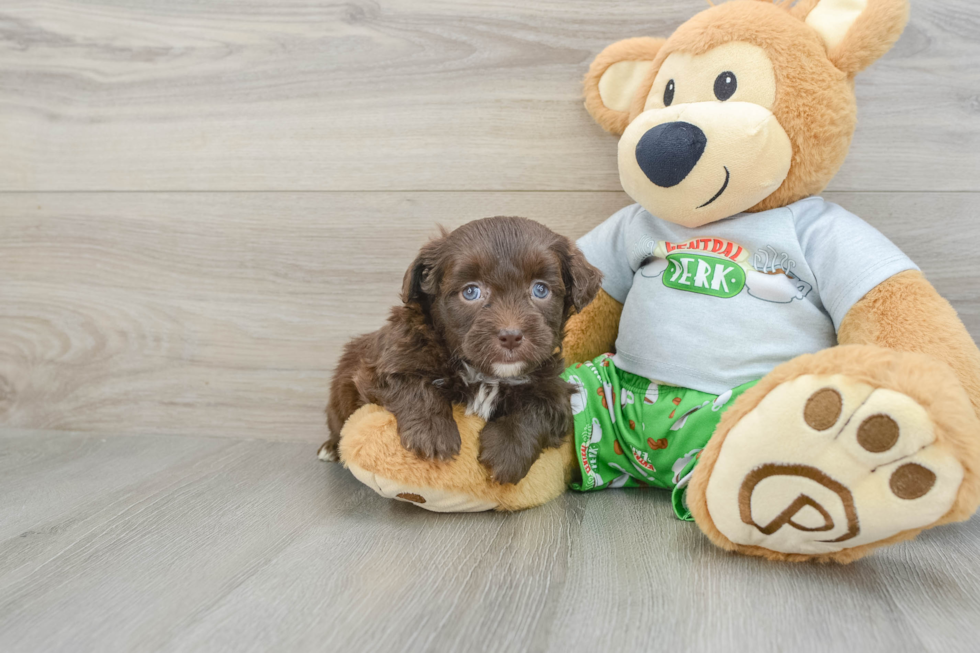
(728, 176)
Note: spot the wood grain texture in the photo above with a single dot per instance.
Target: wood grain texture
(401, 95)
(171, 315)
(223, 313)
(191, 544)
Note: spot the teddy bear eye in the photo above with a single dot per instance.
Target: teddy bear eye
(669, 93)
(725, 85)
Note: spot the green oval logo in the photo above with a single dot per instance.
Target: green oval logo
(707, 275)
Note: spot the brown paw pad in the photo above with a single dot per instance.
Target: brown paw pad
(823, 409)
(878, 433)
(408, 496)
(911, 481)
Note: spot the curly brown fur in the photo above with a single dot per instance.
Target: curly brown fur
(472, 330)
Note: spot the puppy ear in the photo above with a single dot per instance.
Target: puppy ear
(412, 283)
(855, 32)
(582, 279)
(614, 78)
(421, 278)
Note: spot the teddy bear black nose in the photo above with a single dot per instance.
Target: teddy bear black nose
(667, 153)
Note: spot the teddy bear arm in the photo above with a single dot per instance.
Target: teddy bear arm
(592, 332)
(905, 313)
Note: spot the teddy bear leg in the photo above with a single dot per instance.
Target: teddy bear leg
(371, 449)
(834, 454)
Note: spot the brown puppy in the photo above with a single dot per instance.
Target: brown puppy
(483, 314)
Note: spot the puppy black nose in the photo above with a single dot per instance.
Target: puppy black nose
(667, 153)
(510, 338)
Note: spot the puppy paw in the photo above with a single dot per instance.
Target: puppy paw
(437, 439)
(504, 457)
(328, 451)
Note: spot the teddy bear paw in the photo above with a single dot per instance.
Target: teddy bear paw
(824, 463)
(433, 499)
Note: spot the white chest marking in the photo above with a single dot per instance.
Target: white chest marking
(483, 402)
(485, 399)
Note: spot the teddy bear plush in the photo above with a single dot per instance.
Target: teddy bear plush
(780, 366)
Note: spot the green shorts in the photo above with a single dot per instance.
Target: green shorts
(630, 432)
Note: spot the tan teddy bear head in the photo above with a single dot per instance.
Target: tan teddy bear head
(748, 106)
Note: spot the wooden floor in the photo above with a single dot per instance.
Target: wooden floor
(201, 200)
(176, 543)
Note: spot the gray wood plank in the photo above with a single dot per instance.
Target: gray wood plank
(66, 485)
(87, 469)
(128, 571)
(402, 582)
(223, 313)
(643, 579)
(257, 546)
(931, 584)
(401, 95)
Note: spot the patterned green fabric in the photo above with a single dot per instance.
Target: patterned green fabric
(630, 432)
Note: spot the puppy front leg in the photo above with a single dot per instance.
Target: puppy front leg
(425, 418)
(510, 444)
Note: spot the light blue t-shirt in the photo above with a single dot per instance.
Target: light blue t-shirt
(714, 307)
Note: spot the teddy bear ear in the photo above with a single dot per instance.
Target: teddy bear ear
(614, 78)
(855, 32)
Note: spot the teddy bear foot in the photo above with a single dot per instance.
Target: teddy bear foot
(845, 465)
(828, 466)
(371, 449)
(430, 498)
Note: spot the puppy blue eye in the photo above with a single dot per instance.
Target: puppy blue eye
(540, 290)
(471, 292)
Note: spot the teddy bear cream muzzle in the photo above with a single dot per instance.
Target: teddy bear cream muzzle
(695, 163)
